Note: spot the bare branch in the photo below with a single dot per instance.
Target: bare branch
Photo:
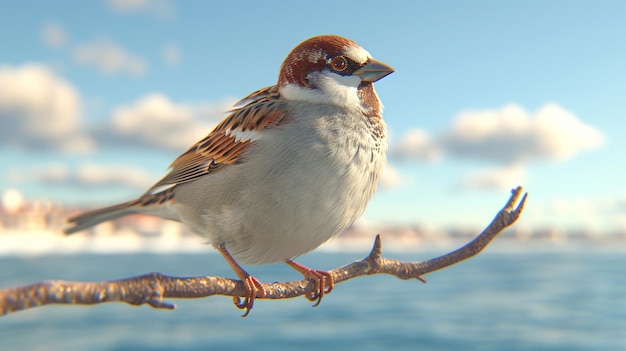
(152, 288)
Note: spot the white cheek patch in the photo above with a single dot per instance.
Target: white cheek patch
(243, 135)
(341, 89)
(331, 88)
(332, 80)
(295, 92)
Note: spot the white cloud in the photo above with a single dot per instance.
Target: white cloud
(579, 207)
(54, 35)
(598, 214)
(511, 135)
(392, 178)
(156, 122)
(159, 8)
(55, 173)
(109, 58)
(99, 174)
(494, 178)
(39, 110)
(86, 175)
(171, 54)
(415, 145)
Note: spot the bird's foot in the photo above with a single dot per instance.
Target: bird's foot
(324, 282)
(254, 289)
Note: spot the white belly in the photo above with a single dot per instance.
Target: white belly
(292, 193)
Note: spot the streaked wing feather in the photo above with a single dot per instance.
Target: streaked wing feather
(262, 110)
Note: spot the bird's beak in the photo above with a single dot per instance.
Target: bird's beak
(373, 71)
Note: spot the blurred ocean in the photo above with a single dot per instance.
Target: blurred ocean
(514, 296)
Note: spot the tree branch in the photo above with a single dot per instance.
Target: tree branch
(152, 288)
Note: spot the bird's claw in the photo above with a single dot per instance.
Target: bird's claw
(254, 288)
(324, 282)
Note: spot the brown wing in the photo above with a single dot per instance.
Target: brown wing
(227, 142)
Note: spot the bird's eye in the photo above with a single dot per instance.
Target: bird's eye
(339, 63)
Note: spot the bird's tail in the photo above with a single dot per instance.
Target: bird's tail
(91, 218)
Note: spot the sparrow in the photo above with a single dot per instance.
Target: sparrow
(290, 167)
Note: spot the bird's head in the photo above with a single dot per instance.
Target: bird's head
(332, 69)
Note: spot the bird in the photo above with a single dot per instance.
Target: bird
(290, 167)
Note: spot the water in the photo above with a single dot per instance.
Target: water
(540, 297)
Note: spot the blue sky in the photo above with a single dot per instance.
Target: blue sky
(98, 97)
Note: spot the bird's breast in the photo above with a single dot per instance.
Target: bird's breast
(301, 185)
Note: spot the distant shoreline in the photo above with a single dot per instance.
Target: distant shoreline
(45, 242)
